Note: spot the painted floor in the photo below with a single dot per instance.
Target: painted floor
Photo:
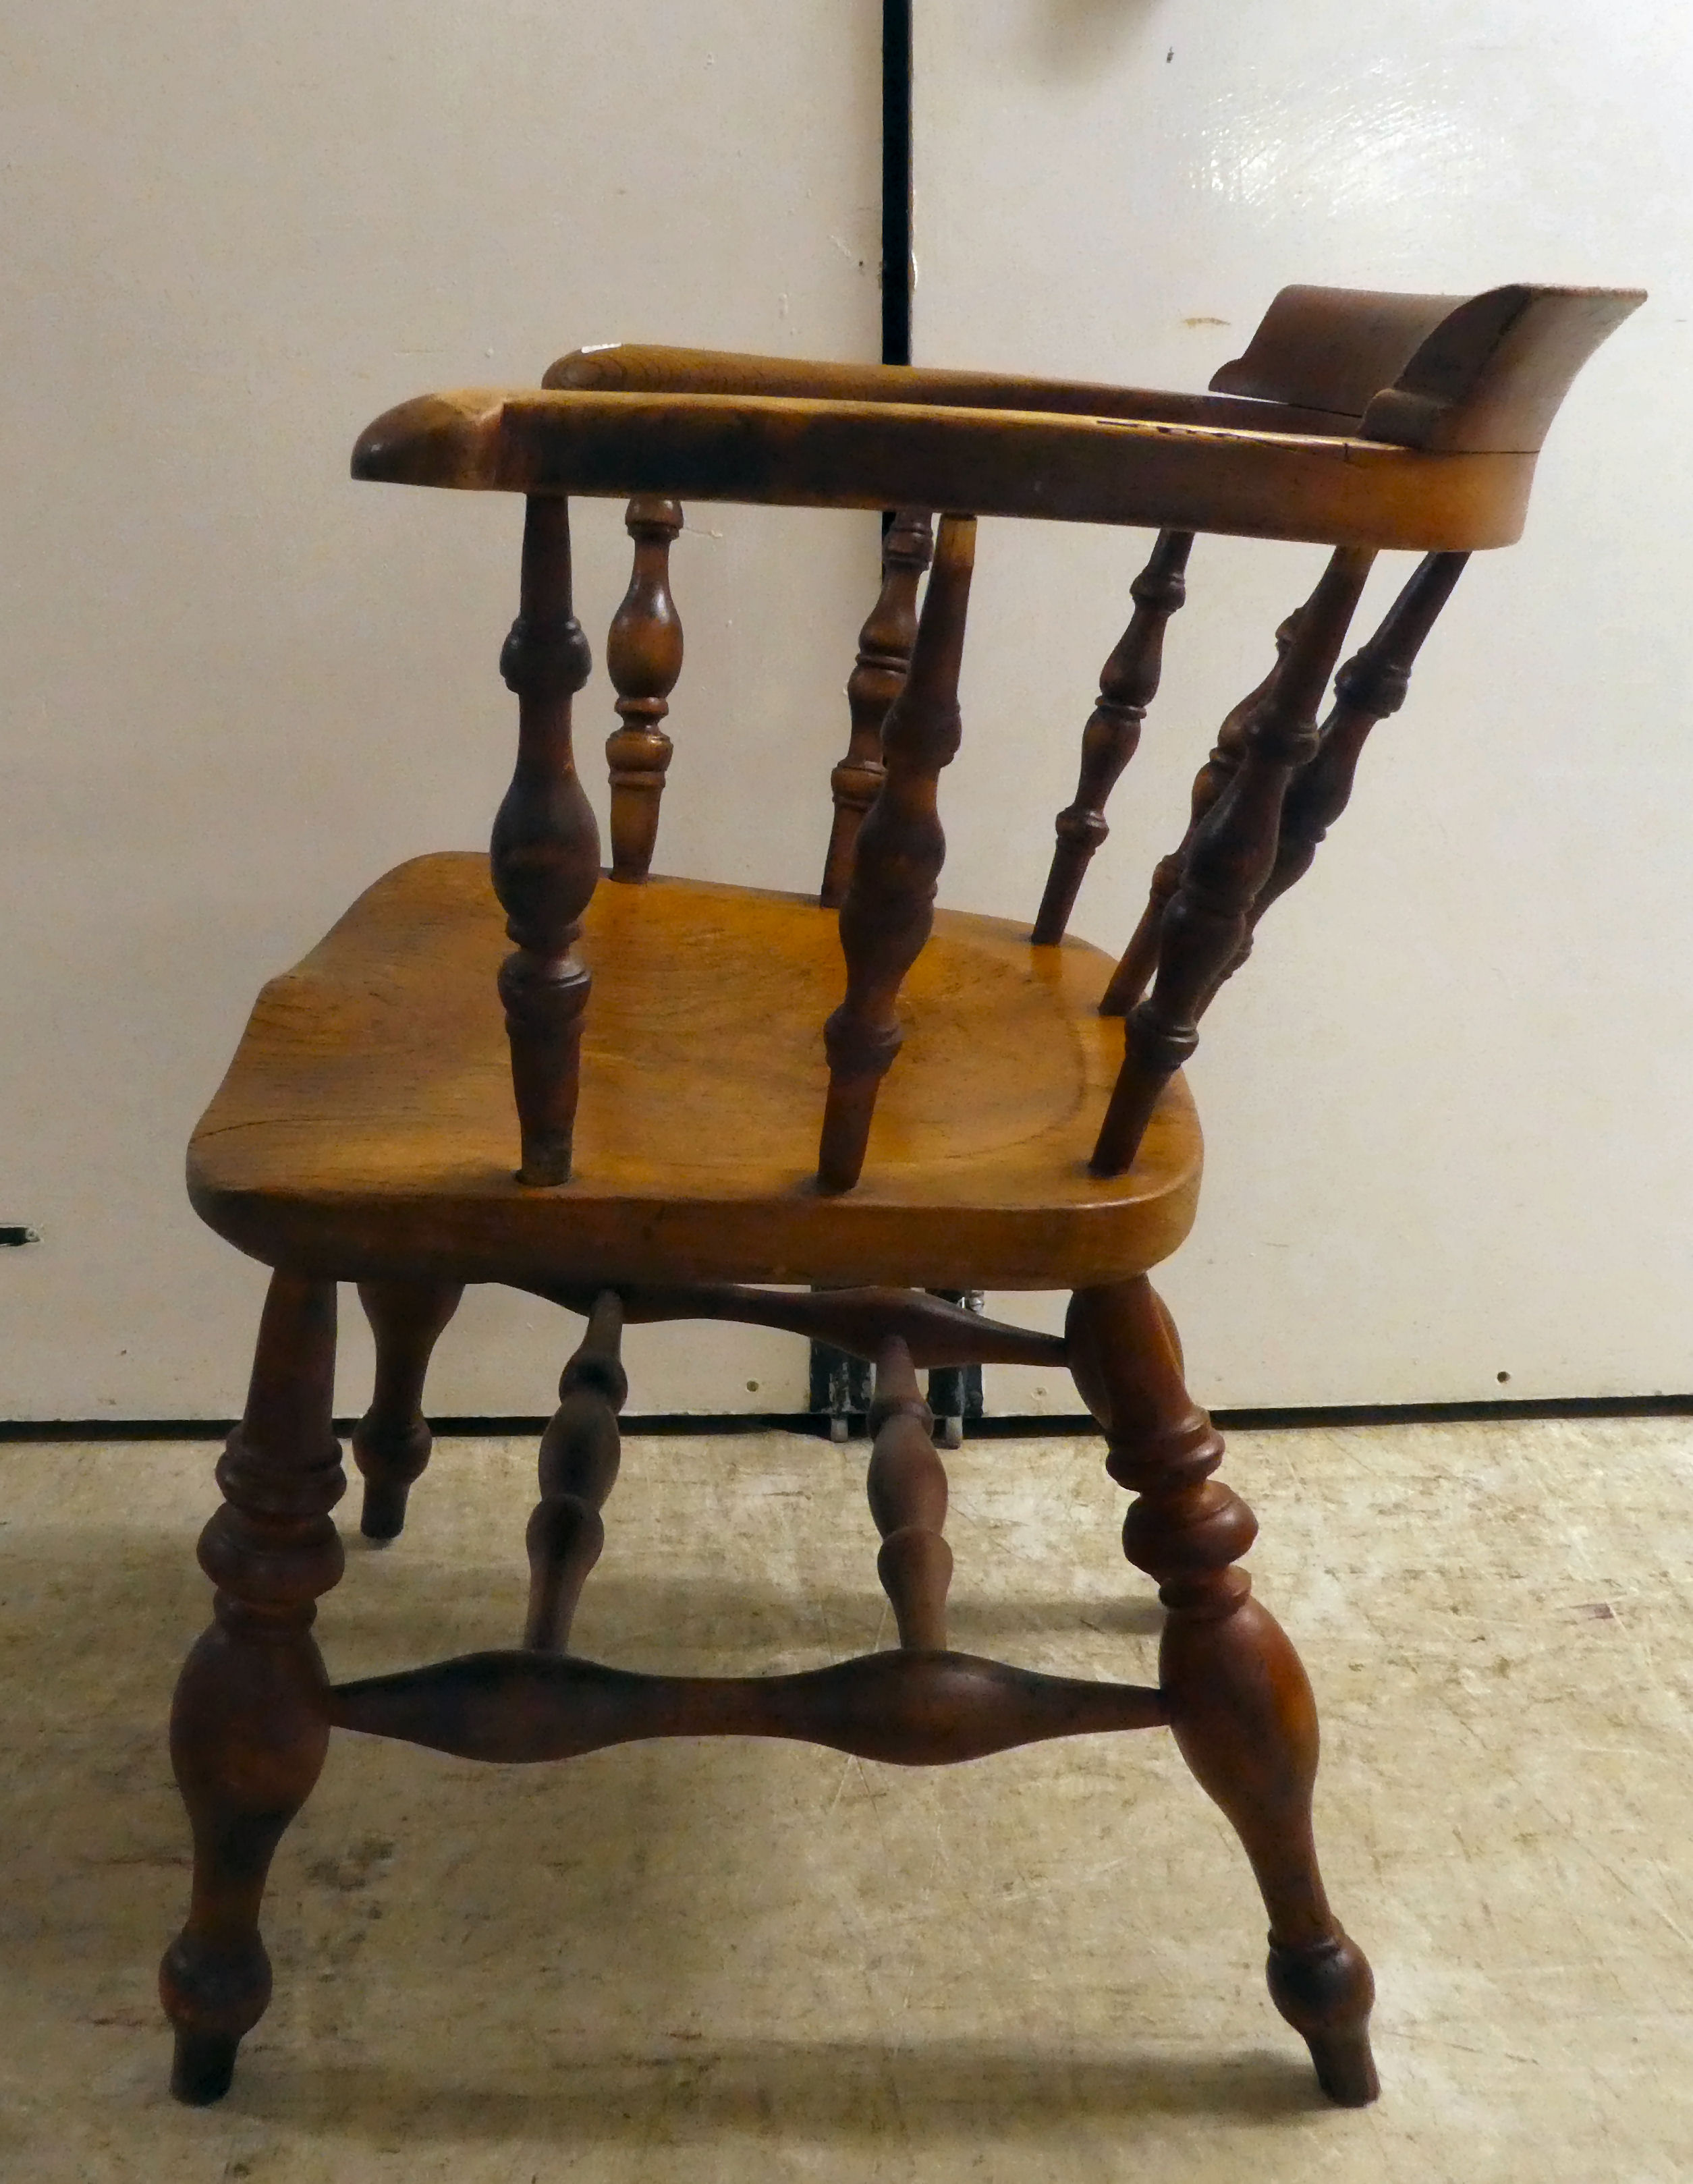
(743, 1961)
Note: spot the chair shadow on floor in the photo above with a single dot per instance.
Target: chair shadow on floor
(844, 2091)
(543, 1847)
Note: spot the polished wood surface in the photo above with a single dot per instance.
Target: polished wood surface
(888, 910)
(1266, 483)
(1372, 684)
(1128, 685)
(580, 1454)
(365, 1124)
(1239, 1701)
(249, 1724)
(392, 1442)
(1138, 960)
(649, 1149)
(906, 1709)
(652, 368)
(1482, 373)
(643, 659)
(545, 856)
(878, 676)
(1228, 863)
(906, 1485)
(860, 1321)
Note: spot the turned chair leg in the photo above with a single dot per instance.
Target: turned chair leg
(1239, 1700)
(392, 1442)
(249, 1724)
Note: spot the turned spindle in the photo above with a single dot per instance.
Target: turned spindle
(1231, 855)
(906, 1483)
(1133, 973)
(889, 905)
(545, 851)
(249, 1724)
(878, 676)
(1238, 1698)
(1128, 685)
(580, 1452)
(643, 659)
(1372, 684)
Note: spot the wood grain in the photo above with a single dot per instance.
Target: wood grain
(1262, 484)
(643, 659)
(888, 910)
(545, 856)
(906, 1484)
(580, 1452)
(1483, 373)
(860, 1321)
(1239, 1701)
(1140, 959)
(906, 1709)
(878, 676)
(392, 1442)
(1227, 863)
(1372, 684)
(248, 1724)
(364, 1125)
(1128, 686)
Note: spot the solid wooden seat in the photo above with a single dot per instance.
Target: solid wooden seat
(364, 1126)
(641, 1098)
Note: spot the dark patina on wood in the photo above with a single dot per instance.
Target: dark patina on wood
(364, 1131)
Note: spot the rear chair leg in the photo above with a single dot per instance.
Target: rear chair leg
(249, 1724)
(392, 1442)
(1239, 1703)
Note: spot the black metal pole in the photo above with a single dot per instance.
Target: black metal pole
(896, 182)
(841, 1386)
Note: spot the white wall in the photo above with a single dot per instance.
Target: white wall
(237, 686)
(1447, 1105)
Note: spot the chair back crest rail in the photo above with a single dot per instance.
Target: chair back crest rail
(1368, 421)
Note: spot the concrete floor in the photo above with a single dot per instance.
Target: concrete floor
(743, 1961)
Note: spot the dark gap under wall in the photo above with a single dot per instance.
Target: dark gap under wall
(696, 1424)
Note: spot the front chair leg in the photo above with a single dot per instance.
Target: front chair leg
(392, 1442)
(249, 1724)
(1240, 1702)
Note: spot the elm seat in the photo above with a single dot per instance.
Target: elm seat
(365, 1121)
(642, 1098)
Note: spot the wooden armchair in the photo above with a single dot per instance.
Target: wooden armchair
(711, 1091)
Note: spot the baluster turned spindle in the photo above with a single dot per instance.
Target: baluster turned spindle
(580, 1452)
(545, 851)
(1128, 683)
(889, 905)
(1133, 973)
(1373, 684)
(906, 1484)
(643, 659)
(1231, 857)
(878, 676)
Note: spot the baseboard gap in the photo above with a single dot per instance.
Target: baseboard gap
(1289, 1417)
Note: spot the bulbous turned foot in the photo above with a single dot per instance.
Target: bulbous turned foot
(212, 1996)
(1325, 1992)
(203, 2068)
(381, 1519)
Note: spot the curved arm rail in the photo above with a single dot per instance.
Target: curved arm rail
(993, 462)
